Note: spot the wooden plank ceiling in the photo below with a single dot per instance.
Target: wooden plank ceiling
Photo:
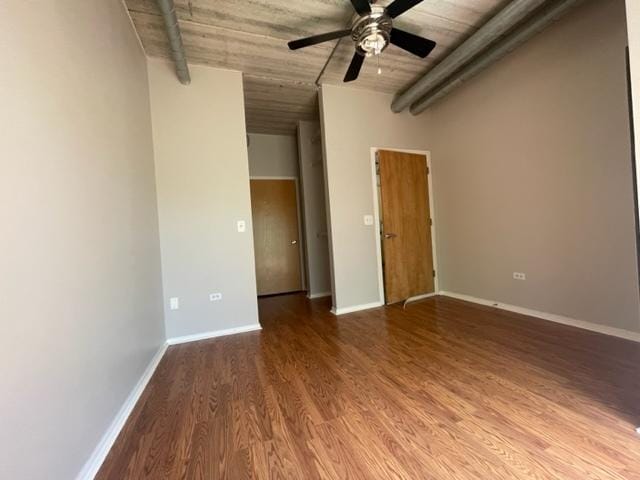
(280, 85)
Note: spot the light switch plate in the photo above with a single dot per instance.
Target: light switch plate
(174, 303)
(215, 297)
(242, 226)
(368, 220)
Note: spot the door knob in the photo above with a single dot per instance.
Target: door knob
(390, 235)
(293, 242)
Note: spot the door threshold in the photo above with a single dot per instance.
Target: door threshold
(293, 292)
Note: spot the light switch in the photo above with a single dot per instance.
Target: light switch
(242, 226)
(368, 220)
(174, 303)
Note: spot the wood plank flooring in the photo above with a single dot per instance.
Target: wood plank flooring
(441, 390)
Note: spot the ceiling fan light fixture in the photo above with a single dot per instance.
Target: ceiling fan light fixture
(372, 33)
(373, 44)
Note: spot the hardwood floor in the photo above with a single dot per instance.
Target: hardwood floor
(441, 390)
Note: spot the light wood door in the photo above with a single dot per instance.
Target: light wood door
(406, 235)
(274, 207)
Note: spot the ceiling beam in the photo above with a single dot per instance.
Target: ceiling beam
(513, 41)
(515, 12)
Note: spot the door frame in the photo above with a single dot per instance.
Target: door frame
(376, 220)
(303, 243)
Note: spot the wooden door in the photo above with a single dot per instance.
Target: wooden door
(274, 207)
(406, 236)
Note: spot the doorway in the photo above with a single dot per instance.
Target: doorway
(405, 221)
(276, 235)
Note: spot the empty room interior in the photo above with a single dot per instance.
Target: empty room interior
(321, 239)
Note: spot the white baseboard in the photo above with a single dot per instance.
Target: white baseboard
(91, 467)
(594, 327)
(311, 296)
(355, 308)
(217, 333)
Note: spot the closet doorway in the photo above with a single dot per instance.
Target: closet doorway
(276, 235)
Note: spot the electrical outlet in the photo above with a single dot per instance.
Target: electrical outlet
(215, 297)
(174, 303)
(519, 276)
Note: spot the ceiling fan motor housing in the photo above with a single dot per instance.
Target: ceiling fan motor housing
(372, 32)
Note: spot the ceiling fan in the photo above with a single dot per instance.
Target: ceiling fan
(372, 32)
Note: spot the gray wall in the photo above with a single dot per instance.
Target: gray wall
(273, 155)
(532, 173)
(315, 214)
(80, 286)
(203, 190)
(353, 121)
(633, 31)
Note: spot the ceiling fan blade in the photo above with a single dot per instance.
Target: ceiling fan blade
(323, 37)
(412, 43)
(354, 67)
(400, 6)
(361, 6)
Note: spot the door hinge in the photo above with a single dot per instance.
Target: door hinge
(428, 171)
(430, 222)
(434, 273)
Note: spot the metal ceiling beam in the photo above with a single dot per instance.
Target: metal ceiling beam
(499, 25)
(531, 28)
(170, 18)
